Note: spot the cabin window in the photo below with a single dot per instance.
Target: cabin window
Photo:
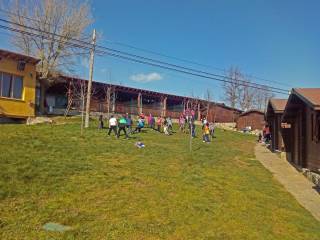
(11, 86)
(315, 127)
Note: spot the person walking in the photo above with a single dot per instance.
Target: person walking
(181, 123)
(206, 133)
(122, 126)
(100, 126)
(129, 123)
(152, 122)
(140, 125)
(112, 125)
(192, 127)
(159, 123)
(211, 129)
(170, 125)
(166, 127)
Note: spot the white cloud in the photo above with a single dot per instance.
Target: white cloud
(145, 78)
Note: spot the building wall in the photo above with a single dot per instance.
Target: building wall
(276, 134)
(253, 119)
(301, 150)
(312, 147)
(19, 108)
(220, 114)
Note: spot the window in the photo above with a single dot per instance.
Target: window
(6, 85)
(312, 128)
(11, 86)
(17, 88)
(315, 128)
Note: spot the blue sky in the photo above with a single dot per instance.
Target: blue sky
(275, 40)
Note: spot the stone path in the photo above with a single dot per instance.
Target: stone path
(294, 182)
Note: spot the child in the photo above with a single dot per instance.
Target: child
(206, 133)
(100, 126)
(181, 123)
(211, 129)
(169, 124)
(159, 123)
(260, 137)
(166, 127)
(140, 125)
(192, 127)
(112, 125)
(122, 126)
(129, 123)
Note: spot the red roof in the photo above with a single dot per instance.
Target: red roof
(18, 57)
(309, 95)
(278, 105)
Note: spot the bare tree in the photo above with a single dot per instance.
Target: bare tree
(55, 24)
(209, 99)
(232, 88)
(262, 97)
(246, 97)
(76, 98)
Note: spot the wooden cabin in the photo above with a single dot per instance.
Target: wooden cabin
(302, 115)
(17, 85)
(274, 114)
(253, 118)
(220, 113)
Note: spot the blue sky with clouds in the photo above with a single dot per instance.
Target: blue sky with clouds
(275, 40)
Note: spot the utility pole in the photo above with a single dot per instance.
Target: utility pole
(86, 123)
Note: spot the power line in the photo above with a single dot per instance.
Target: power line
(188, 61)
(144, 62)
(152, 52)
(141, 57)
(168, 67)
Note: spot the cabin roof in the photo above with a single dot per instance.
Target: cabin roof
(311, 96)
(18, 57)
(278, 105)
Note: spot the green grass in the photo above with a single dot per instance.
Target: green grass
(106, 188)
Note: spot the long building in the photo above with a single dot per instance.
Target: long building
(111, 98)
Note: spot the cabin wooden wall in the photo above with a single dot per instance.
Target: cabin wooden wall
(253, 119)
(220, 114)
(312, 147)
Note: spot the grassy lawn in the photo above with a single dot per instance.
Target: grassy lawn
(106, 188)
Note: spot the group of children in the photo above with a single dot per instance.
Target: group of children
(162, 124)
(187, 125)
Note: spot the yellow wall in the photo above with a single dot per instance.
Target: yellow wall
(19, 108)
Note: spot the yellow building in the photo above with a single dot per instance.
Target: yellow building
(17, 85)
